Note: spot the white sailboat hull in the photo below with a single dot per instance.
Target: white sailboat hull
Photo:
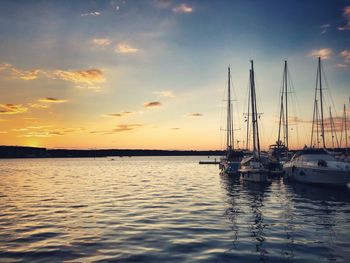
(307, 174)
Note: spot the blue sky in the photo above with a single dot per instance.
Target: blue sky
(102, 61)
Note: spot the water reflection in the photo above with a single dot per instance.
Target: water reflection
(320, 193)
(256, 193)
(251, 213)
(286, 220)
(232, 190)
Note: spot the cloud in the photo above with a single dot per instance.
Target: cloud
(340, 65)
(183, 9)
(52, 100)
(91, 14)
(127, 127)
(338, 124)
(46, 131)
(346, 15)
(12, 108)
(346, 55)
(165, 93)
(120, 128)
(102, 42)
(175, 128)
(325, 28)
(124, 48)
(196, 114)
(90, 88)
(152, 104)
(89, 76)
(38, 106)
(4, 66)
(323, 53)
(121, 114)
(14, 73)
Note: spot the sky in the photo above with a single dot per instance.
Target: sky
(152, 74)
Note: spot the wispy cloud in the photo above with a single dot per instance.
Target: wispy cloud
(165, 93)
(120, 114)
(346, 15)
(196, 114)
(323, 53)
(346, 55)
(4, 66)
(86, 77)
(38, 106)
(175, 128)
(12, 108)
(338, 124)
(52, 100)
(127, 127)
(120, 128)
(89, 76)
(324, 28)
(90, 88)
(124, 48)
(183, 9)
(14, 73)
(340, 65)
(95, 13)
(46, 131)
(152, 104)
(102, 42)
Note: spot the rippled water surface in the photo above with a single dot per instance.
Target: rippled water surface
(163, 209)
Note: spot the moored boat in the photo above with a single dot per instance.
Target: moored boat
(252, 168)
(316, 164)
(230, 163)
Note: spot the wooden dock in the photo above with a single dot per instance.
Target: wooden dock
(209, 162)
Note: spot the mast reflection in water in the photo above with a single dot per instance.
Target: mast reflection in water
(290, 221)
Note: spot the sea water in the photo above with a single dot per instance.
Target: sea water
(163, 209)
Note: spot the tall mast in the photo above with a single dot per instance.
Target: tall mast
(281, 117)
(286, 101)
(346, 132)
(314, 117)
(253, 114)
(332, 126)
(317, 121)
(321, 101)
(248, 113)
(256, 143)
(229, 136)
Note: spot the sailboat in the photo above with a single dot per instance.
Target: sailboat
(279, 151)
(230, 163)
(316, 164)
(252, 168)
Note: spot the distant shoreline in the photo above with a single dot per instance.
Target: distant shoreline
(7, 152)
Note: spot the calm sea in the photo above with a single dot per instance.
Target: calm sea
(163, 209)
